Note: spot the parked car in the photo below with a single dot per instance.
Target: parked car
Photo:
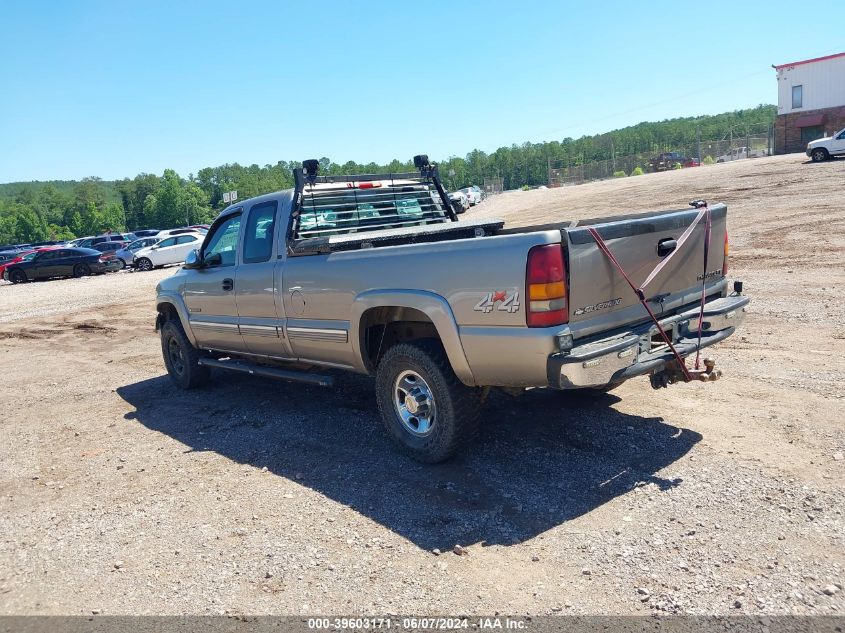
(827, 147)
(460, 202)
(146, 232)
(111, 248)
(473, 194)
(89, 242)
(668, 160)
(61, 262)
(126, 254)
(171, 250)
(439, 311)
(739, 153)
(23, 256)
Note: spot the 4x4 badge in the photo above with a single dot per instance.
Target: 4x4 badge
(500, 300)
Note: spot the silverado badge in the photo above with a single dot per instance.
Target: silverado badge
(598, 306)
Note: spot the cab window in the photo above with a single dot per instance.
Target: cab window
(223, 239)
(258, 241)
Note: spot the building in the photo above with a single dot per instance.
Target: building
(811, 101)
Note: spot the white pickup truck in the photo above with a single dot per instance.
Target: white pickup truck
(827, 147)
(741, 152)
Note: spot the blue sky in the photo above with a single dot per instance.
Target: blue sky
(116, 88)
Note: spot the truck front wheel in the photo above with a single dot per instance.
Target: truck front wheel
(425, 409)
(819, 155)
(181, 358)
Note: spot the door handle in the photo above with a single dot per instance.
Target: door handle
(666, 246)
(228, 284)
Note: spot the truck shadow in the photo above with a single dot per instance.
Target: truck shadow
(540, 460)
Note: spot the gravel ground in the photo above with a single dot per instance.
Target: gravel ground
(123, 495)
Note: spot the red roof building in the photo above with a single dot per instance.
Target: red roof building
(811, 101)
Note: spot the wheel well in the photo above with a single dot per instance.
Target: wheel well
(166, 312)
(383, 327)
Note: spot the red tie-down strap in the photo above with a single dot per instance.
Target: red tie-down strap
(704, 212)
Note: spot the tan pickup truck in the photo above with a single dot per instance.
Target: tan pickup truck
(374, 274)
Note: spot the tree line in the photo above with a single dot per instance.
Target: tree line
(33, 212)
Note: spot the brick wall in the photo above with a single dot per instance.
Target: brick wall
(788, 137)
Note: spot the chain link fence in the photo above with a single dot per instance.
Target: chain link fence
(493, 186)
(703, 153)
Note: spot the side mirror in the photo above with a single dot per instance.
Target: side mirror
(215, 259)
(193, 259)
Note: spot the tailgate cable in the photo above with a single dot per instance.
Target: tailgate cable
(703, 212)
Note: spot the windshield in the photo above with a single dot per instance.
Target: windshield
(139, 244)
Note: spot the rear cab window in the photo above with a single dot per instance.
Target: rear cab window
(341, 208)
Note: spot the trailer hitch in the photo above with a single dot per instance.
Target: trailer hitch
(672, 373)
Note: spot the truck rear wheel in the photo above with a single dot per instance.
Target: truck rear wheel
(425, 409)
(181, 358)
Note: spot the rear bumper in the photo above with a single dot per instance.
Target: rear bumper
(105, 267)
(615, 359)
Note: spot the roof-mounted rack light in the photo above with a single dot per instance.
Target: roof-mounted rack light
(311, 166)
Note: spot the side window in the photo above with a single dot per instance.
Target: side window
(185, 239)
(258, 240)
(168, 242)
(223, 239)
(47, 255)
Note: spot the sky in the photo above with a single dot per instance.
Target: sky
(113, 89)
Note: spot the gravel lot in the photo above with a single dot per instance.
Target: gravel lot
(123, 495)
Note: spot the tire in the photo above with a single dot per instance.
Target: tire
(144, 264)
(18, 276)
(819, 155)
(420, 373)
(81, 270)
(122, 263)
(181, 358)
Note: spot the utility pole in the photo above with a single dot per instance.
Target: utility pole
(612, 154)
(698, 141)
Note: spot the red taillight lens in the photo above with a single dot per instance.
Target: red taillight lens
(725, 261)
(369, 184)
(545, 285)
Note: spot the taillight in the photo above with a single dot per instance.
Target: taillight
(725, 261)
(545, 285)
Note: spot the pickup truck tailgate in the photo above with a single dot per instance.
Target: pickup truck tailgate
(600, 298)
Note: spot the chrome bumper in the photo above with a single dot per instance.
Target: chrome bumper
(633, 353)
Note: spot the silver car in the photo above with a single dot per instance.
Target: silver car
(127, 255)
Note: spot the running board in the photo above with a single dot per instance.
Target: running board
(320, 380)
